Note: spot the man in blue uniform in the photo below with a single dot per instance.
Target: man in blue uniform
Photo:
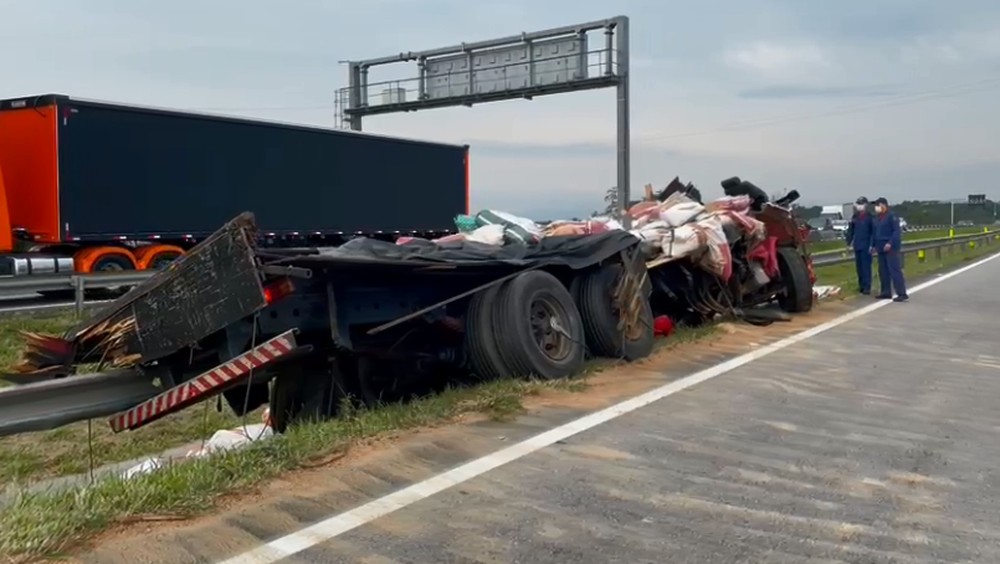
(859, 239)
(888, 242)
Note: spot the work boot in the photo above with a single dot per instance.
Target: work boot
(901, 299)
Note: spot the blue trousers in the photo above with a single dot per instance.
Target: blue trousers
(890, 274)
(863, 264)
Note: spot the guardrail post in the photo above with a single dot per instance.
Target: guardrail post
(937, 253)
(78, 292)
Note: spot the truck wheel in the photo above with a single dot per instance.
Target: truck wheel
(798, 293)
(309, 390)
(538, 329)
(480, 336)
(284, 391)
(112, 263)
(601, 317)
(163, 260)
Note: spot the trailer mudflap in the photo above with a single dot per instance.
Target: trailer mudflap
(210, 287)
(205, 385)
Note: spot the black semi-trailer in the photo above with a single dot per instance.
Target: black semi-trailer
(79, 175)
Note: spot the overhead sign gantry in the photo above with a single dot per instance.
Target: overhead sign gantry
(552, 61)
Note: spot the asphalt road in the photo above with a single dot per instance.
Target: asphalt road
(874, 441)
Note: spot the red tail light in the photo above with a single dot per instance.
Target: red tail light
(277, 290)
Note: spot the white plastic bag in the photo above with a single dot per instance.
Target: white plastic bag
(487, 234)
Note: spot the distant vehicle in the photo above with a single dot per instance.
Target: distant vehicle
(903, 225)
(818, 223)
(965, 223)
(839, 216)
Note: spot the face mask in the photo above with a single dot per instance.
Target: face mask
(859, 207)
(880, 209)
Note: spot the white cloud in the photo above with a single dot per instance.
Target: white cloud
(963, 47)
(777, 59)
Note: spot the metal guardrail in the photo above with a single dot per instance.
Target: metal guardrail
(75, 285)
(964, 237)
(831, 258)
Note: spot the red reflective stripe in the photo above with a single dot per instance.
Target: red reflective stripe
(167, 401)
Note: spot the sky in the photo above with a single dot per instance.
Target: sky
(893, 98)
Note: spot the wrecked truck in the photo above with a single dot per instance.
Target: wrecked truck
(305, 331)
(301, 330)
(757, 255)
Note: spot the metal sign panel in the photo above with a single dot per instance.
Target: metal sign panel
(553, 61)
(523, 66)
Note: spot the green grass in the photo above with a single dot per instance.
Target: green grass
(67, 450)
(11, 328)
(844, 275)
(45, 524)
(840, 244)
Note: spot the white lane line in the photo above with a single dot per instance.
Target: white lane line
(336, 525)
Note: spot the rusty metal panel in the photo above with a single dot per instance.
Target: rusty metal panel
(213, 285)
(210, 290)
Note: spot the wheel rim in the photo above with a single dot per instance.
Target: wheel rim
(111, 266)
(548, 325)
(163, 261)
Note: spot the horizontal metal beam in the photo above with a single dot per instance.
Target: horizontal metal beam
(54, 403)
(844, 258)
(22, 284)
(489, 43)
(473, 99)
(966, 237)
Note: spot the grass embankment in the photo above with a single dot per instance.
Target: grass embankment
(67, 450)
(953, 256)
(43, 524)
(38, 524)
(839, 244)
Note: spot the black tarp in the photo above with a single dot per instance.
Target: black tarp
(575, 252)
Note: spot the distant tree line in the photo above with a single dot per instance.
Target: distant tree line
(927, 213)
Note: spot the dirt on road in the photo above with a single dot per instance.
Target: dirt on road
(388, 463)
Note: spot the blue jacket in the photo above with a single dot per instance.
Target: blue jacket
(860, 231)
(887, 231)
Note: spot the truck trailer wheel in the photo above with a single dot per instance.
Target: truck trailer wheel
(112, 263)
(163, 260)
(538, 328)
(307, 390)
(798, 292)
(601, 317)
(480, 336)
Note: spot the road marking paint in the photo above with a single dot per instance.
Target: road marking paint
(341, 523)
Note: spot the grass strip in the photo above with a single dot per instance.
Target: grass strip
(45, 524)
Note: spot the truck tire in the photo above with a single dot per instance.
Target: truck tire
(600, 317)
(163, 260)
(538, 328)
(112, 263)
(308, 390)
(480, 336)
(798, 294)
